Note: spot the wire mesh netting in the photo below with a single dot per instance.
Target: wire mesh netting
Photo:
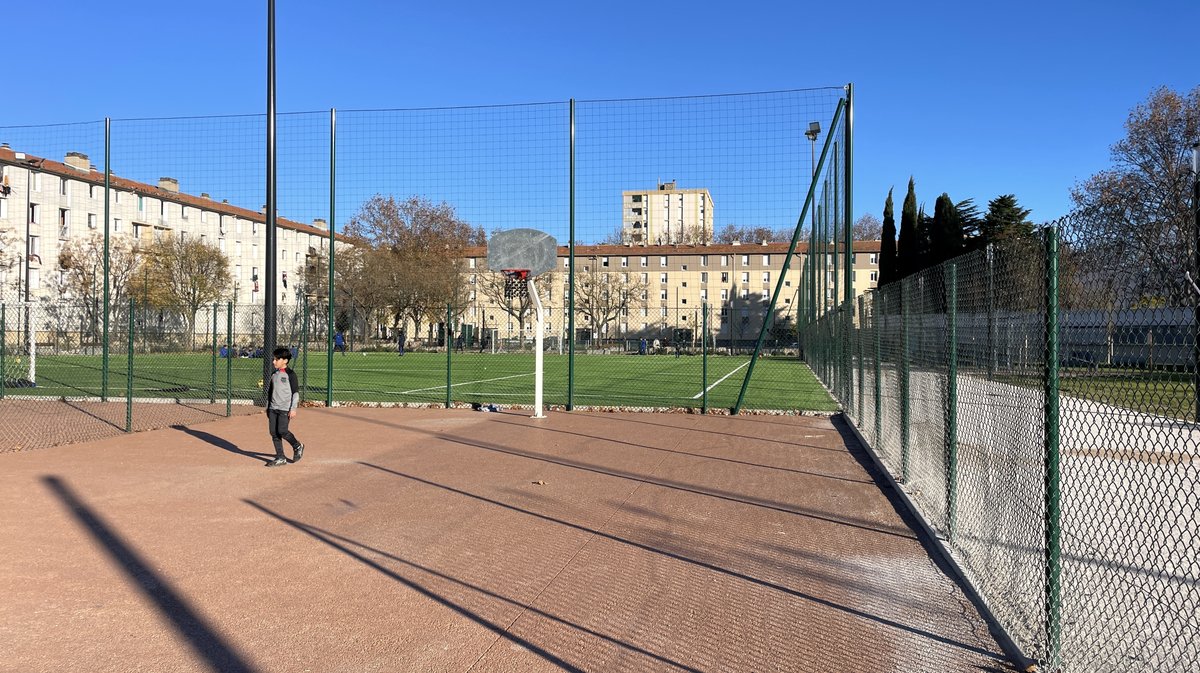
(133, 271)
(1049, 431)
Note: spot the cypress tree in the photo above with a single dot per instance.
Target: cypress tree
(887, 247)
(908, 253)
(946, 231)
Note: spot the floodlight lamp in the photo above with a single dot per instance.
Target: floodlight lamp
(814, 129)
(1196, 159)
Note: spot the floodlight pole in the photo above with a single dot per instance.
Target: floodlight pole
(537, 354)
(269, 262)
(1196, 268)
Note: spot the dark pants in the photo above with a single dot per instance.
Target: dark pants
(277, 423)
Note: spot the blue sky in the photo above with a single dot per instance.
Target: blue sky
(1025, 98)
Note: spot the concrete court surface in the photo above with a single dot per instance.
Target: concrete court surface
(452, 540)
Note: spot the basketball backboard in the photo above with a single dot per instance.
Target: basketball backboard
(528, 249)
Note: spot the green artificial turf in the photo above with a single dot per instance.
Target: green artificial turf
(488, 378)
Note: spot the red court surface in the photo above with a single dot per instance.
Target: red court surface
(451, 540)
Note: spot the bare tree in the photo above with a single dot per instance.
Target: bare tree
(1133, 224)
(867, 228)
(603, 297)
(82, 278)
(416, 255)
(183, 274)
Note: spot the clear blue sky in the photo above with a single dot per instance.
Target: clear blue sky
(973, 99)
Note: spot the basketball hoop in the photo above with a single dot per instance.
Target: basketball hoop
(516, 283)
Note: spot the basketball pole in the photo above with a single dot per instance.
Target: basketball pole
(537, 353)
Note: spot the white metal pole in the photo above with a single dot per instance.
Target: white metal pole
(537, 355)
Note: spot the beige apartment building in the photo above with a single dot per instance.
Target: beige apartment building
(46, 203)
(736, 280)
(667, 215)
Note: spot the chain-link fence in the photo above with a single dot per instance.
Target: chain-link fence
(1039, 406)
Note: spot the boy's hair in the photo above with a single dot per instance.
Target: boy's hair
(283, 353)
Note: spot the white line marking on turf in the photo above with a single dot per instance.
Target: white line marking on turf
(697, 395)
(464, 383)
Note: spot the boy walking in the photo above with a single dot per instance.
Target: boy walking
(283, 396)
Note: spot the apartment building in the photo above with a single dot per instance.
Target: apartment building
(667, 215)
(46, 203)
(735, 280)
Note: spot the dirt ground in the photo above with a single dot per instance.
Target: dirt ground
(452, 540)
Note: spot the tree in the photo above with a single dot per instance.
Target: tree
(1134, 221)
(887, 248)
(868, 227)
(603, 297)
(1005, 221)
(183, 274)
(946, 239)
(909, 253)
(82, 265)
(747, 234)
(415, 257)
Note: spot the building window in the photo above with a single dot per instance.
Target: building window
(724, 276)
(703, 276)
(116, 225)
(766, 277)
(645, 278)
(703, 260)
(766, 260)
(662, 294)
(254, 227)
(745, 278)
(93, 191)
(220, 244)
(745, 293)
(141, 203)
(663, 311)
(64, 223)
(724, 295)
(662, 278)
(117, 197)
(35, 213)
(604, 262)
(645, 261)
(183, 212)
(724, 260)
(766, 295)
(874, 258)
(624, 261)
(471, 265)
(874, 276)
(62, 187)
(662, 261)
(745, 260)
(91, 220)
(35, 247)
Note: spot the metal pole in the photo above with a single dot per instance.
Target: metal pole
(129, 372)
(878, 333)
(1196, 270)
(449, 334)
(329, 328)
(571, 276)
(905, 402)
(848, 220)
(107, 186)
(229, 360)
(704, 358)
(1053, 475)
(952, 401)
(269, 264)
(991, 312)
(212, 389)
(3, 349)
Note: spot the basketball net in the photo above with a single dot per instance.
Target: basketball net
(516, 285)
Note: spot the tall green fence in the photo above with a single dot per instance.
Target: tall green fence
(86, 320)
(1037, 404)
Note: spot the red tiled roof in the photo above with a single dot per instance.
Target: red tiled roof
(92, 176)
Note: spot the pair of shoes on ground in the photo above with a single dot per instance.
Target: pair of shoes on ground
(297, 454)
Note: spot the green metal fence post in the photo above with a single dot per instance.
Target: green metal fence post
(212, 387)
(129, 371)
(704, 358)
(449, 334)
(905, 371)
(847, 177)
(1053, 474)
(3, 349)
(991, 312)
(878, 333)
(229, 360)
(952, 400)
(571, 271)
(107, 309)
(862, 324)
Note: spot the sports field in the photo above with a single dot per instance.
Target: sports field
(489, 378)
